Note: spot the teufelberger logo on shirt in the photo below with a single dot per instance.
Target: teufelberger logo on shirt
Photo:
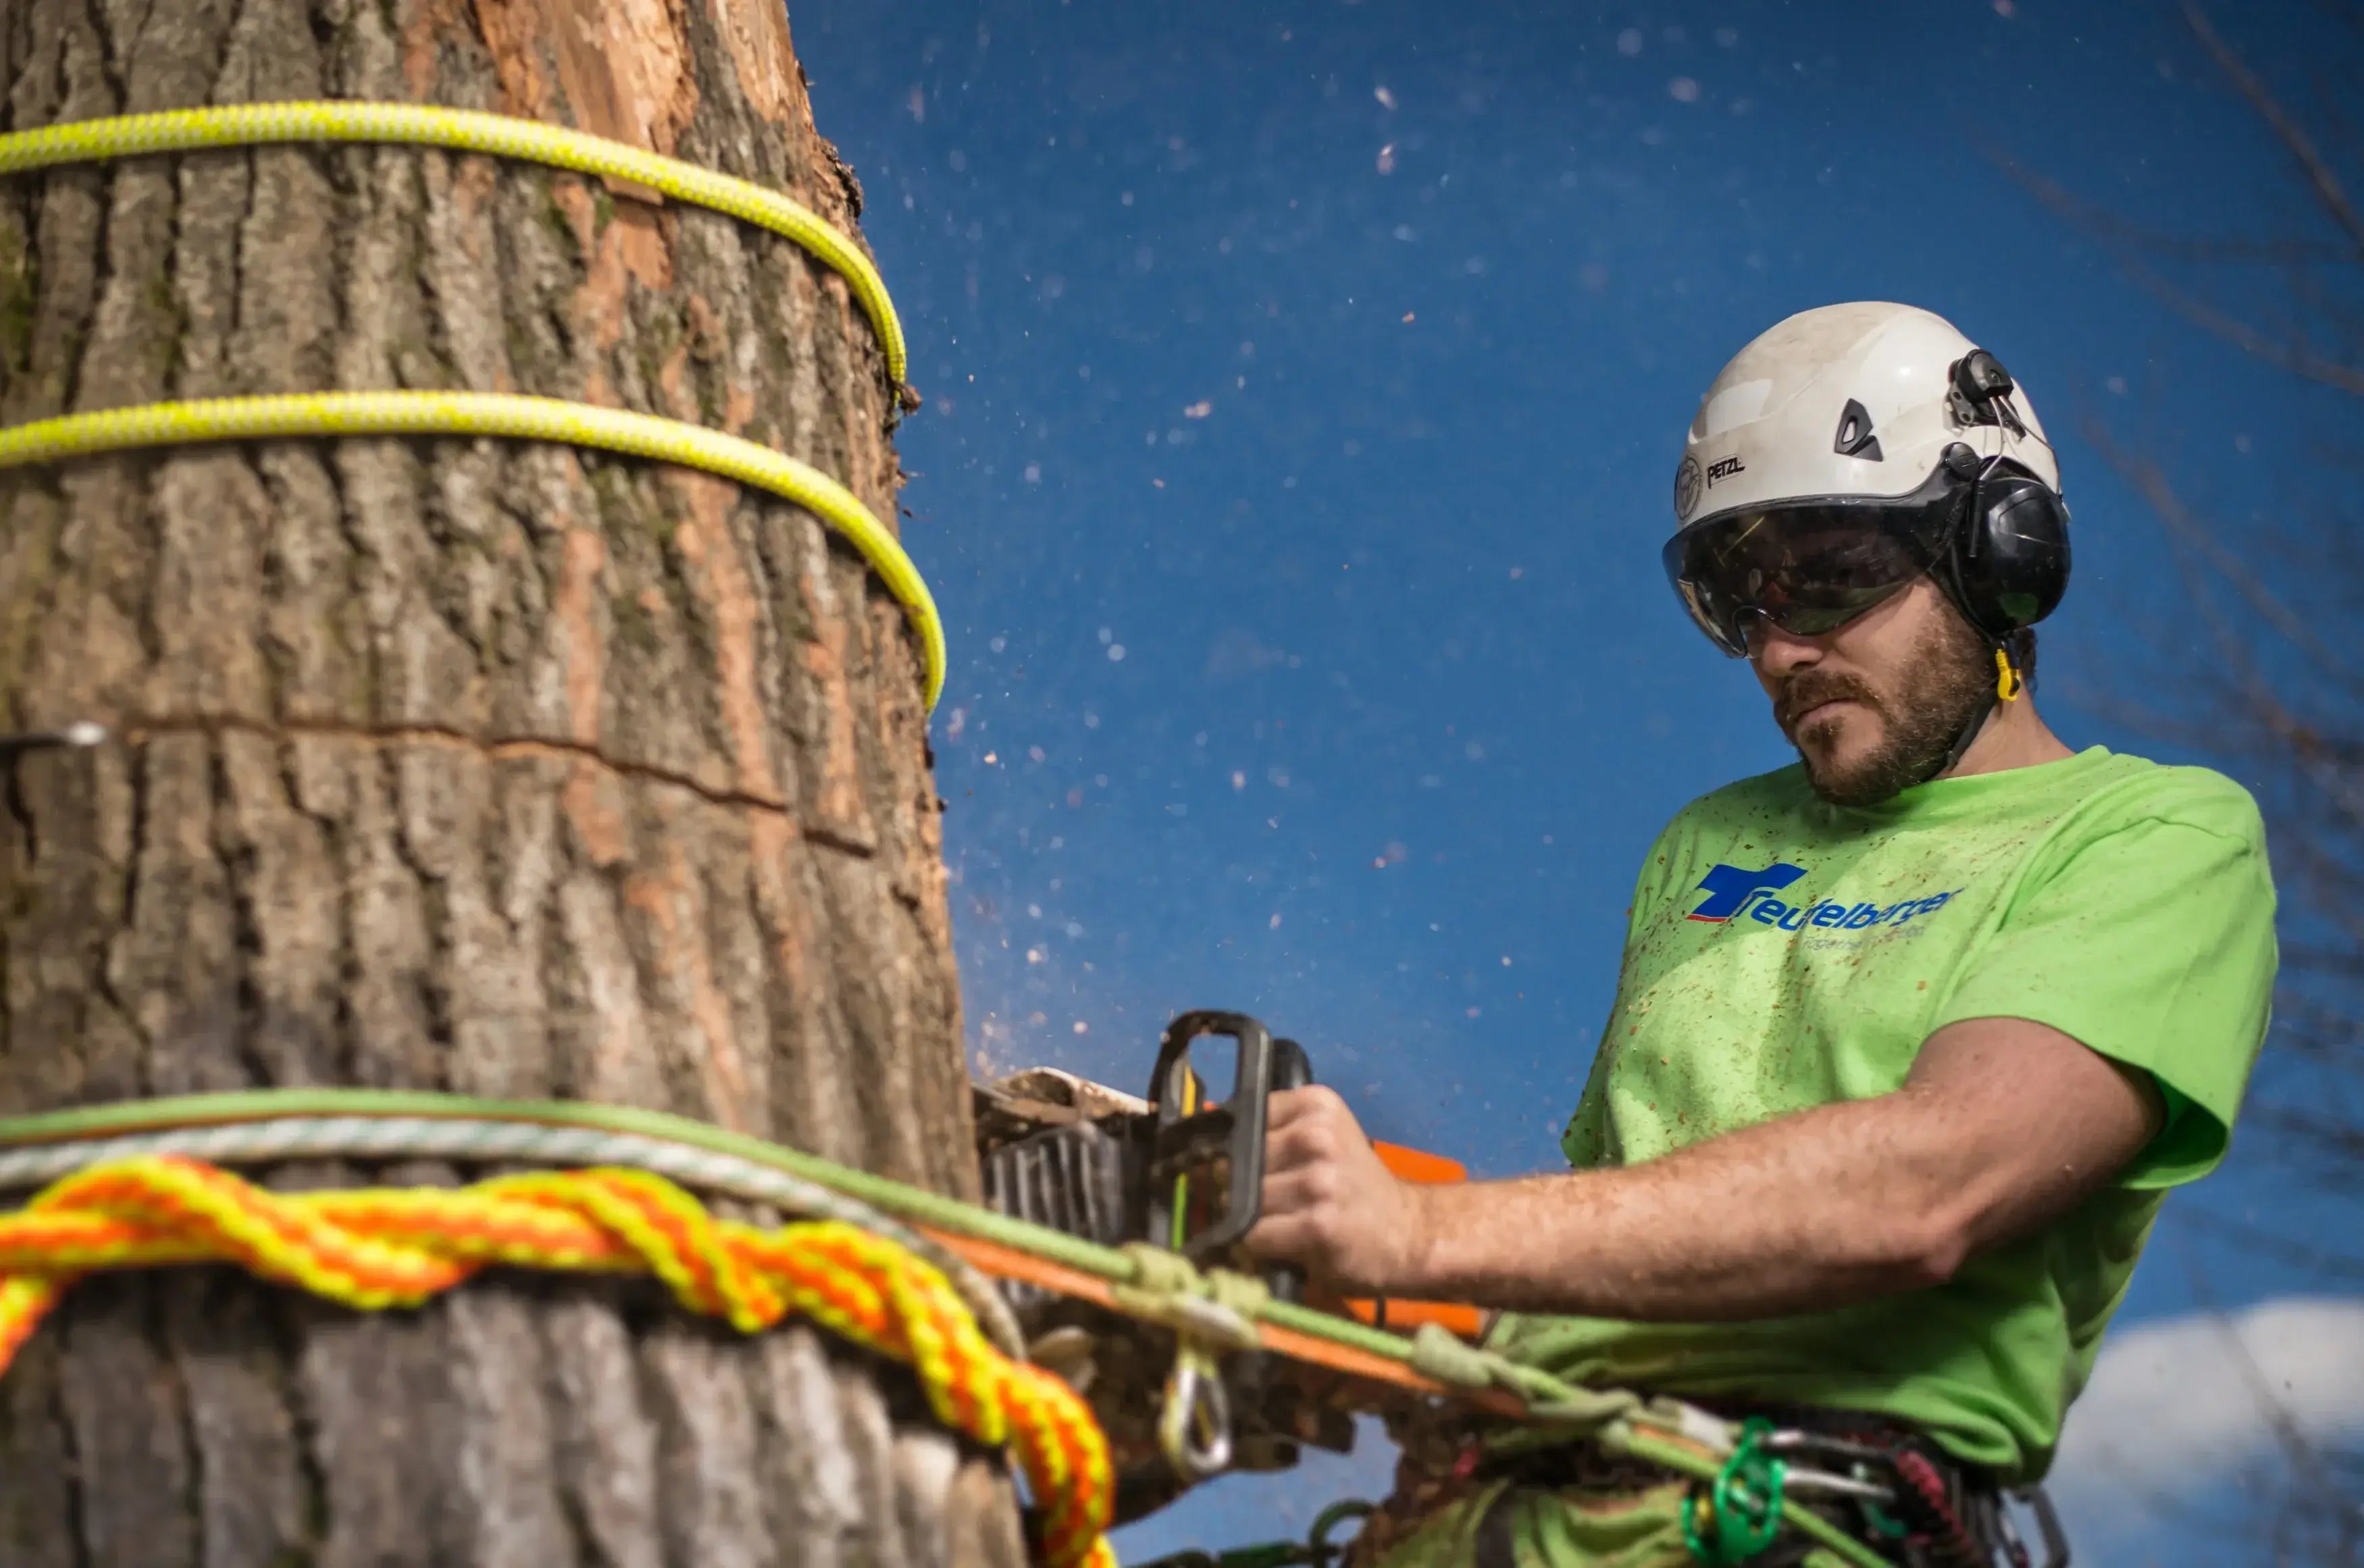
(1734, 891)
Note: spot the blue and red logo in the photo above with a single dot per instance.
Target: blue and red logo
(1734, 891)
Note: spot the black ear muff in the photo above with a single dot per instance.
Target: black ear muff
(2010, 559)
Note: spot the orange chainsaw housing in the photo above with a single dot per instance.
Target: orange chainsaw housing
(1468, 1322)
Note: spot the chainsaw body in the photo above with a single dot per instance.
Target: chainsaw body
(1181, 1170)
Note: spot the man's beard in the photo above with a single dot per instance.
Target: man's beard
(1943, 688)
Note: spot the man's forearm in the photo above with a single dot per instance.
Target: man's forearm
(1839, 1204)
(2002, 1126)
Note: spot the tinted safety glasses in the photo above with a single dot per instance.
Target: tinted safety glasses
(1809, 566)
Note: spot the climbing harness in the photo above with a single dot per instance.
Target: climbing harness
(483, 414)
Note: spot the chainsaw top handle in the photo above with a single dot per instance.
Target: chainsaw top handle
(1191, 1135)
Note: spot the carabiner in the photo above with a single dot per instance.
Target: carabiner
(1194, 1429)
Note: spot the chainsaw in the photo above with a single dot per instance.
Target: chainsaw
(1182, 1170)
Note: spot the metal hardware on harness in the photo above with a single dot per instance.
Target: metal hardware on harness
(1854, 1485)
(1742, 1506)
(1836, 1485)
(2037, 1501)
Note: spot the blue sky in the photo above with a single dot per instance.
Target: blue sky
(1304, 386)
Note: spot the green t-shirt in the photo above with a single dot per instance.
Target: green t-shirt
(1784, 953)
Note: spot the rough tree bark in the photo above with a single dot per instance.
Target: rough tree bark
(500, 769)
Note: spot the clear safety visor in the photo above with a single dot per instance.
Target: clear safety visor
(1809, 566)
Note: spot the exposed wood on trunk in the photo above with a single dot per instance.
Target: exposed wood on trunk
(500, 769)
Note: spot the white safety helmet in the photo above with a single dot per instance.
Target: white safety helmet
(1850, 451)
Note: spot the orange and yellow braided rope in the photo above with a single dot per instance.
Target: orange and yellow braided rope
(381, 1247)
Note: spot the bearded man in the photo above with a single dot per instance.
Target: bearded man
(1911, 1039)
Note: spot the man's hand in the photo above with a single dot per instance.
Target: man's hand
(1330, 1204)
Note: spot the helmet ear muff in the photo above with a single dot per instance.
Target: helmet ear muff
(2008, 563)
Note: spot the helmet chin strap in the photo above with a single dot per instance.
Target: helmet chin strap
(2008, 686)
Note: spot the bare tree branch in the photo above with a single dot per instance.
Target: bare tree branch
(2097, 222)
(2293, 357)
(2151, 483)
(2292, 136)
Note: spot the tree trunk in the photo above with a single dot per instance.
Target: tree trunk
(502, 769)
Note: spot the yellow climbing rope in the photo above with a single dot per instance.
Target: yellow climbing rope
(464, 414)
(374, 1249)
(465, 130)
(483, 413)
